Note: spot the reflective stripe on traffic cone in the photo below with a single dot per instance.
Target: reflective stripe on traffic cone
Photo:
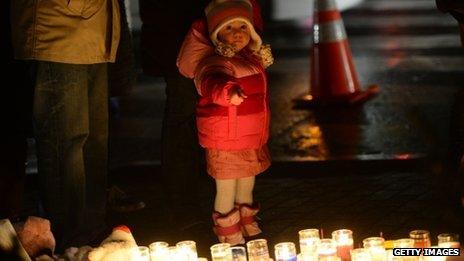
(333, 75)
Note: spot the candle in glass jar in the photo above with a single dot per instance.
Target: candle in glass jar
(187, 250)
(159, 251)
(327, 250)
(344, 240)
(309, 239)
(448, 240)
(421, 238)
(404, 243)
(221, 252)
(285, 251)
(257, 250)
(238, 253)
(375, 246)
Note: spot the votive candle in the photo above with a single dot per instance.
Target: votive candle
(327, 250)
(187, 250)
(238, 253)
(258, 250)
(221, 252)
(344, 240)
(159, 251)
(448, 240)
(285, 251)
(421, 238)
(375, 246)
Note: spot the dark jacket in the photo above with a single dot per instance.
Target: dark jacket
(164, 26)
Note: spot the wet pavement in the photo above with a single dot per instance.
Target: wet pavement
(373, 168)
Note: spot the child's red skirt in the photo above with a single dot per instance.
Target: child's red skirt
(223, 164)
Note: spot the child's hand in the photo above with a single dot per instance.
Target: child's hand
(236, 96)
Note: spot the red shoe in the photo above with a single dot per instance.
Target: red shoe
(227, 227)
(248, 223)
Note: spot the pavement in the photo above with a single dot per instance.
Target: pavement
(375, 168)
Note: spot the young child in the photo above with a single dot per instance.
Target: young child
(232, 112)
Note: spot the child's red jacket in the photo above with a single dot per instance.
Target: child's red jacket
(220, 124)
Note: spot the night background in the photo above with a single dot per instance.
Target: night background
(381, 167)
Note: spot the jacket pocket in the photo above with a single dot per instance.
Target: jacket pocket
(85, 8)
(213, 128)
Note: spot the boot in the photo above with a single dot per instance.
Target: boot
(248, 224)
(227, 227)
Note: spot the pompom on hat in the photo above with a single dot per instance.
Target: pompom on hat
(219, 13)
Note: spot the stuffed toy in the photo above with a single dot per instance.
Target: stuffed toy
(120, 245)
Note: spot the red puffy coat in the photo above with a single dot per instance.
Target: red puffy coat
(222, 125)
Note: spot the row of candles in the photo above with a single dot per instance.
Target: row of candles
(338, 248)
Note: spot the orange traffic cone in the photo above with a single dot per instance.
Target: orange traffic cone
(333, 75)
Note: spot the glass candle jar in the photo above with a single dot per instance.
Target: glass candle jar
(448, 240)
(344, 240)
(309, 239)
(375, 246)
(421, 238)
(221, 252)
(159, 251)
(187, 250)
(404, 243)
(258, 250)
(285, 251)
(327, 250)
(238, 253)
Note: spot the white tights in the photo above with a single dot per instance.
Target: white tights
(230, 191)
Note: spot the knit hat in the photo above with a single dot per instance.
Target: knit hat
(219, 13)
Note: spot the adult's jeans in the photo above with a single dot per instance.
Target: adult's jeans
(180, 149)
(71, 124)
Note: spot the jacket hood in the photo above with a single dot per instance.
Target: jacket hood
(194, 49)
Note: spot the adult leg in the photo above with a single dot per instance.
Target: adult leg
(62, 128)
(180, 157)
(96, 147)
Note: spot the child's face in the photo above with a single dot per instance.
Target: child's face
(235, 33)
